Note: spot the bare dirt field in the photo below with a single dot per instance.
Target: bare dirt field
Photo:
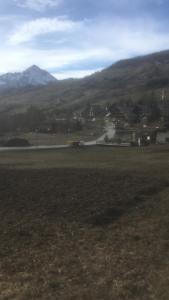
(85, 224)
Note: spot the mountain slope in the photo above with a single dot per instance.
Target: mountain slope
(33, 76)
(124, 80)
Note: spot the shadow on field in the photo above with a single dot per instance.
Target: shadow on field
(96, 197)
(112, 214)
(107, 217)
(81, 234)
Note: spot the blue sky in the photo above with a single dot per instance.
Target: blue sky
(74, 38)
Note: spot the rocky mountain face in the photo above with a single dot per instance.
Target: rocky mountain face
(33, 76)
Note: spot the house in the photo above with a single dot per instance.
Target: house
(125, 136)
(119, 120)
(162, 136)
(135, 137)
(146, 136)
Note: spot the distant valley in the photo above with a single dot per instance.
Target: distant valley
(135, 88)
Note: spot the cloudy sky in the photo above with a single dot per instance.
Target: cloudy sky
(73, 38)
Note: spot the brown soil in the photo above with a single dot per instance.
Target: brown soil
(73, 234)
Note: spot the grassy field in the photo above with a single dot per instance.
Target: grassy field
(38, 139)
(85, 224)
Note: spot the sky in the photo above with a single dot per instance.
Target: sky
(75, 38)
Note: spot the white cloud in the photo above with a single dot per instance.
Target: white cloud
(91, 43)
(75, 74)
(126, 38)
(38, 5)
(19, 59)
(135, 3)
(32, 29)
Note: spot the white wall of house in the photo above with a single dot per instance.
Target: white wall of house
(162, 137)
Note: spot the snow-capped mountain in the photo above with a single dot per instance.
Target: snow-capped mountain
(32, 76)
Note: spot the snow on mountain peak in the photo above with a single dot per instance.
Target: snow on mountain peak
(33, 76)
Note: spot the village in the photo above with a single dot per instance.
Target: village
(120, 131)
(114, 124)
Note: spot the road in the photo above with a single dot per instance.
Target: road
(33, 148)
(109, 132)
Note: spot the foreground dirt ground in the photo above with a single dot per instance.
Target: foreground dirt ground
(83, 232)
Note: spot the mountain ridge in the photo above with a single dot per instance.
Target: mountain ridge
(125, 80)
(32, 76)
